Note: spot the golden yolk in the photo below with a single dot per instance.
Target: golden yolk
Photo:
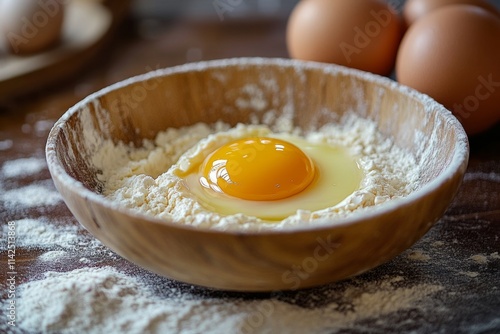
(258, 169)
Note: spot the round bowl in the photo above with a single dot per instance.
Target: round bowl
(314, 94)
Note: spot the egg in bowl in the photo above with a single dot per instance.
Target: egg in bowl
(310, 96)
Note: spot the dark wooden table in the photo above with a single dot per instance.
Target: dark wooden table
(460, 253)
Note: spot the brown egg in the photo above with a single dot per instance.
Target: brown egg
(415, 9)
(362, 34)
(453, 55)
(29, 26)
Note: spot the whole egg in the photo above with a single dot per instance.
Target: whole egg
(415, 9)
(453, 55)
(29, 26)
(362, 34)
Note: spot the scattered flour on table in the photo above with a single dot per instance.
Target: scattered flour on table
(479, 258)
(84, 260)
(40, 233)
(104, 300)
(51, 256)
(418, 255)
(23, 167)
(6, 144)
(33, 195)
(32, 200)
(438, 244)
(484, 259)
(36, 194)
(471, 274)
(145, 178)
(490, 177)
(42, 127)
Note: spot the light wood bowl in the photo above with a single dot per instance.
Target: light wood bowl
(259, 261)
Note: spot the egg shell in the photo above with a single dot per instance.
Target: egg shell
(31, 26)
(453, 55)
(362, 34)
(415, 9)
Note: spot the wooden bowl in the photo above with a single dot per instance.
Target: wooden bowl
(316, 93)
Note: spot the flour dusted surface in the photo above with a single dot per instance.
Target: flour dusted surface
(105, 300)
(145, 178)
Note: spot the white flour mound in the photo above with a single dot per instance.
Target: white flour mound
(104, 300)
(143, 179)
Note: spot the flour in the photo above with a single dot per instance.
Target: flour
(104, 300)
(418, 255)
(145, 179)
(484, 259)
(6, 144)
(40, 233)
(42, 127)
(479, 258)
(36, 194)
(437, 244)
(471, 274)
(490, 177)
(52, 256)
(23, 167)
(33, 195)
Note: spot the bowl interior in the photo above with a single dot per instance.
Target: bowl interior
(267, 91)
(242, 93)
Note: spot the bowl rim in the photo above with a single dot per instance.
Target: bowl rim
(457, 165)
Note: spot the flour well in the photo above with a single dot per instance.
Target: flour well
(145, 179)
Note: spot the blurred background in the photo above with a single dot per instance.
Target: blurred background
(150, 34)
(207, 9)
(232, 8)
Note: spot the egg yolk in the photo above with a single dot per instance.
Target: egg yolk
(258, 169)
